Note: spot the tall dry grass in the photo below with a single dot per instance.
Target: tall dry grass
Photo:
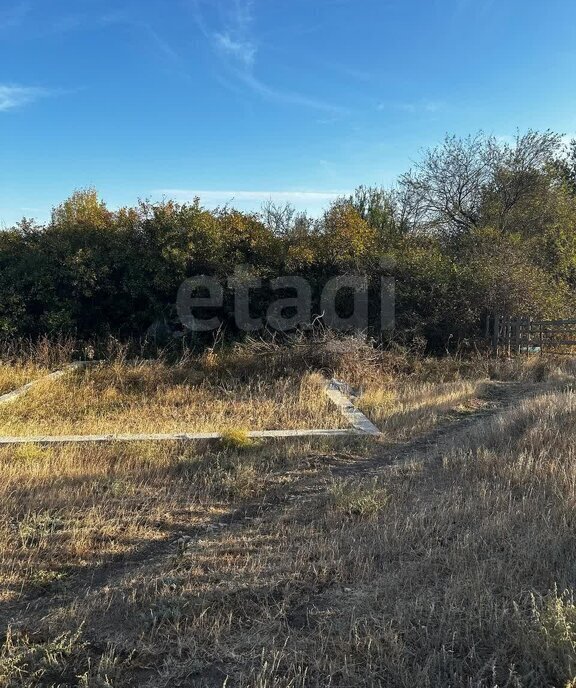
(405, 409)
(282, 565)
(156, 398)
(14, 376)
(48, 353)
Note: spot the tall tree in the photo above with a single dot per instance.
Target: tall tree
(479, 180)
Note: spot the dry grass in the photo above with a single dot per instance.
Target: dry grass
(107, 501)
(156, 398)
(286, 565)
(402, 410)
(13, 376)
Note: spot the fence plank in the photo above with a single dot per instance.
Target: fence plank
(523, 335)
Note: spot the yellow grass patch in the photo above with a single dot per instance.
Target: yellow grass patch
(411, 408)
(13, 376)
(158, 399)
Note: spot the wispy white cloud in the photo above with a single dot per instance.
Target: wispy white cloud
(244, 51)
(289, 97)
(234, 40)
(13, 96)
(220, 196)
(163, 47)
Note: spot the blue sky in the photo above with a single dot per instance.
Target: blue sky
(241, 100)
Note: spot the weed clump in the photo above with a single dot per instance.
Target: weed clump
(31, 453)
(237, 440)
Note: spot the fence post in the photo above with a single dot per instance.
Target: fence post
(522, 336)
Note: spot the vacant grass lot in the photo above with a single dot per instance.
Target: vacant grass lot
(441, 555)
(156, 398)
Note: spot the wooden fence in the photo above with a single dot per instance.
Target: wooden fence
(510, 335)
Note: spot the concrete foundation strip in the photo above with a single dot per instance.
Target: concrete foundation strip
(175, 437)
(339, 393)
(21, 391)
(336, 391)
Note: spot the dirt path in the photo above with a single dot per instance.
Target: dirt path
(498, 396)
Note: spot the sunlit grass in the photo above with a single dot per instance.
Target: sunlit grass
(410, 408)
(158, 399)
(13, 376)
(258, 564)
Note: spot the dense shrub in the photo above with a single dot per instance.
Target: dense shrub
(476, 227)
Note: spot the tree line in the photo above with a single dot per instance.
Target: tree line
(478, 225)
